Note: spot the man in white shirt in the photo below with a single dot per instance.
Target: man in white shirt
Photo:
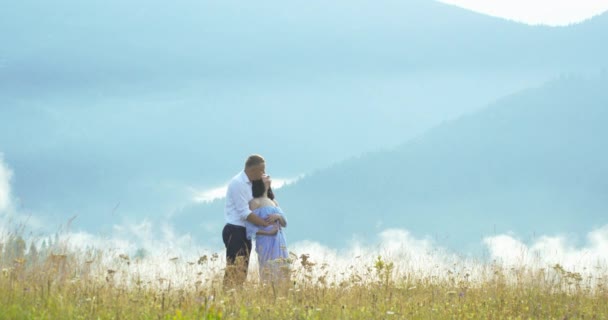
(238, 195)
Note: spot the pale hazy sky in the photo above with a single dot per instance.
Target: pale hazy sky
(550, 12)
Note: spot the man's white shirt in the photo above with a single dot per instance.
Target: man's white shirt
(238, 196)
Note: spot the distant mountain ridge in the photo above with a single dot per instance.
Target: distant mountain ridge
(149, 42)
(113, 102)
(536, 162)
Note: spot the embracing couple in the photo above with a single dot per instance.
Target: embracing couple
(253, 213)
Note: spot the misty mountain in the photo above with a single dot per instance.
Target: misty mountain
(119, 110)
(532, 163)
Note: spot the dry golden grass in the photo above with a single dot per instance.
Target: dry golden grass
(62, 284)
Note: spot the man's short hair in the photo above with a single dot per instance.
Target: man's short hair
(254, 160)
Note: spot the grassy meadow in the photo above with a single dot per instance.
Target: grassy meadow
(60, 282)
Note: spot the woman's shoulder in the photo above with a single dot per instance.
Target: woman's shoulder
(254, 204)
(263, 204)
